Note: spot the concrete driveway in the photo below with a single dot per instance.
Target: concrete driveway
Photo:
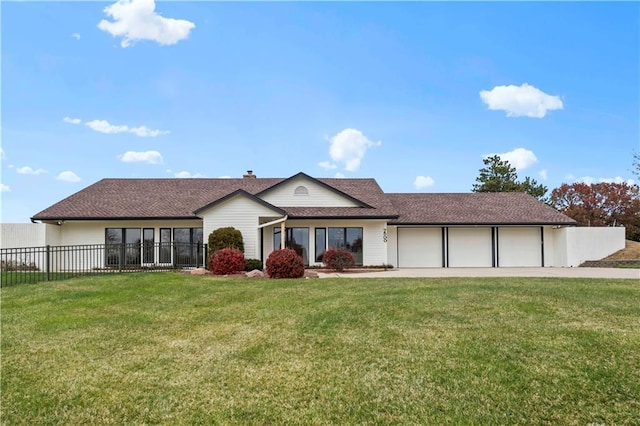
(493, 272)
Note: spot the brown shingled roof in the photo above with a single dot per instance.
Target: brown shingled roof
(180, 198)
(148, 198)
(475, 208)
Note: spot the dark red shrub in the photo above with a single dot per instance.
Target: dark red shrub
(285, 263)
(227, 261)
(338, 259)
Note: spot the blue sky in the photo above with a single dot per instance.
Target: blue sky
(412, 94)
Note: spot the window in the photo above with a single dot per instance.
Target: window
(187, 244)
(301, 190)
(321, 243)
(349, 239)
(148, 245)
(122, 246)
(296, 239)
(165, 245)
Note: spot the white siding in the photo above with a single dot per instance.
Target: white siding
(318, 195)
(420, 247)
(519, 247)
(470, 247)
(374, 246)
(241, 213)
(18, 235)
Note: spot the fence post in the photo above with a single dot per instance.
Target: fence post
(205, 252)
(48, 262)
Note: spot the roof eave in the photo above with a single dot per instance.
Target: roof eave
(103, 218)
(242, 193)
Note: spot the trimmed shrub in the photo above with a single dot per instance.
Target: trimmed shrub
(228, 237)
(338, 259)
(227, 261)
(253, 264)
(285, 263)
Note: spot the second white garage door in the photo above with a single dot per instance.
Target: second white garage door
(470, 247)
(420, 247)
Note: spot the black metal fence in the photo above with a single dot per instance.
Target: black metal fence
(49, 263)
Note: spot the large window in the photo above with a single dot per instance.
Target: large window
(349, 239)
(165, 245)
(321, 243)
(122, 246)
(296, 239)
(187, 244)
(133, 246)
(148, 243)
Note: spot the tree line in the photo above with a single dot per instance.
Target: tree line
(596, 204)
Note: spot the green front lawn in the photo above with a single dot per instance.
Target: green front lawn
(166, 348)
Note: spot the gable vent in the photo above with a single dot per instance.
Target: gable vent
(301, 190)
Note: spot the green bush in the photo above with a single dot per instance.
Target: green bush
(228, 237)
(253, 264)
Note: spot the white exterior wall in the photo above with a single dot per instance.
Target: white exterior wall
(575, 245)
(244, 215)
(392, 246)
(519, 246)
(93, 232)
(549, 246)
(73, 233)
(373, 245)
(318, 196)
(470, 247)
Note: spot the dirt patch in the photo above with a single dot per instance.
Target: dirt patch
(631, 251)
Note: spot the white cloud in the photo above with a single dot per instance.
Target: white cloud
(1, 154)
(185, 175)
(520, 158)
(145, 132)
(423, 182)
(151, 157)
(520, 101)
(137, 20)
(618, 179)
(4, 188)
(339, 175)
(348, 147)
(76, 36)
(224, 177)
(72, 120)
(103, 126)
(68, 176)
(543, 174)
(327, 165)
(26, 170)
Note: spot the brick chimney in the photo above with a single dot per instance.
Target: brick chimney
(249, 175)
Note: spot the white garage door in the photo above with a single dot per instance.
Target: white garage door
(470, 247)
(420, 247)
(519, 247)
